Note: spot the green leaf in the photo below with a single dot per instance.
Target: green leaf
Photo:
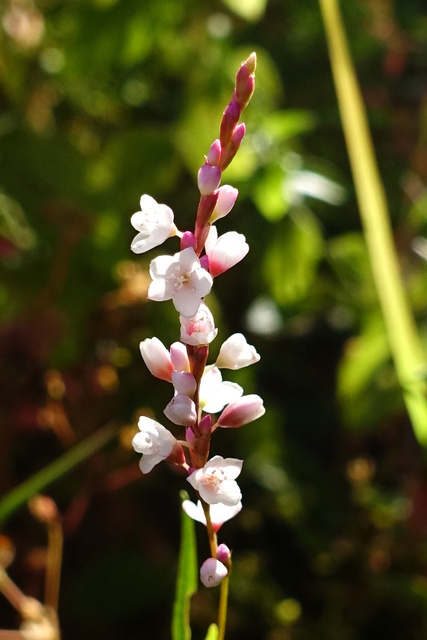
(268, 194)
(186, 583)
(290, 265)
(212, 632)
(251, 10)
(80, 452)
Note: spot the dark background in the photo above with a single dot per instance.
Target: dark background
(104, 100)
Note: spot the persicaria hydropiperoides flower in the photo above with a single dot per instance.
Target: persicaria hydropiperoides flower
(224, 252)
(236, 353)
(219, 513)
(216, 481)
(180, 278)
(200, 329)
(212, 572)
(154, 441)
(154, 223)
(157, 358)
(199, 392)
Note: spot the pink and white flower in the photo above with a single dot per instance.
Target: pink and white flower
(236, 353)
(219, 513)
(244, 410)
(184, 382)
(180, 278)
(200, 329)
(157, 358)
(212, 572)
(154, 223)
(224, 252)
(181, 410)
(214, 393)
(154, 441)
(179, 357)
(227, 196)
(216, 481)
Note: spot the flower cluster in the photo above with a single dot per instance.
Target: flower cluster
(202, 401)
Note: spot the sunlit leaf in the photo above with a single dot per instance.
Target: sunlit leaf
(269, 194)
(291, 260)
(186, 583)
(250, 10)
(212, 632)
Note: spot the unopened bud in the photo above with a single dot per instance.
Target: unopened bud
(246, 409)
(232, 148)
(208, 178)
(181, 410)
(227, 196)
(214, 153)
(212, 572)
(188, 240)
(223, 554)
(228, 123)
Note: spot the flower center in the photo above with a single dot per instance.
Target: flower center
(213, 479)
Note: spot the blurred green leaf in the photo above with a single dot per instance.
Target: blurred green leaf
(250, 10)
(186, 583)
(291, 259)
(269, 194)
(75, 456)
(212, 632)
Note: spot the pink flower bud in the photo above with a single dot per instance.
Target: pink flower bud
(204, 262)
(244, 90)
(157, 358)
(227, 196)
(232, 148)
(205, 424)
(179, 357)
(212, 572)
(228, 123)
(184, 382)
(214, 153)
(181, 410)
(224, 252)
(246, 409)
(223, 554)
(200, 329)
(188, 240)
(208, 178)
(236, 353)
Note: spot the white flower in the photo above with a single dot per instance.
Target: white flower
(180, 278)
(236, 353)
(226, 251)
(212, 572)
(154, 223)
(199, 329)
(216, 481)
(226, 198)
(157, 358)
(181, 410)
(154, 441)
(214, 394)
(219, 513)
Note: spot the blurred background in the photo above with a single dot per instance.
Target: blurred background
(104, 100)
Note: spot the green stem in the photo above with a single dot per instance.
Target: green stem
(402, 333)
(223, 605)
(213, 542)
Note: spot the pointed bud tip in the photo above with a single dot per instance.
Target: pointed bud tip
(250, 63)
